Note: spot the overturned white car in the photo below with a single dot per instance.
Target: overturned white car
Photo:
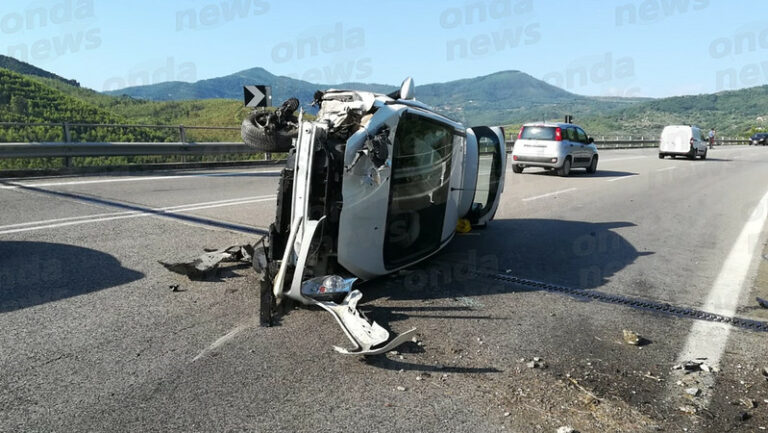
(374, 184)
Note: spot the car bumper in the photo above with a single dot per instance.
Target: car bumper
(537, 161)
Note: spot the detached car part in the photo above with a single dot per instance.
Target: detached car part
(376, 183)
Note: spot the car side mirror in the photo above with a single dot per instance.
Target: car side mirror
(590, 140)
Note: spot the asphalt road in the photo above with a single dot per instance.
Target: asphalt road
(93, 339)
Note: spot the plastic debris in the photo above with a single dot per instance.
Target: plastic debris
(207, 264)
(566, 429)
(694, 392)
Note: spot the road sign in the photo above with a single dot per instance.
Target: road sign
(257, 96)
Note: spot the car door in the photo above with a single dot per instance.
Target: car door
(491, 168)
(584, 149)
(572, 145)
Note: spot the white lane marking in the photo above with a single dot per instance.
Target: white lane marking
(666, 169)
(132, 212)
(708, 339)
(16, 185)
(136, 214)
(621, 178)
(623, 158)
(549, 194)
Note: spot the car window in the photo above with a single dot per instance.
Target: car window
(582, 136)
(570, 134)
(538, 133)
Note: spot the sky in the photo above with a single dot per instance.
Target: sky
(652, 48)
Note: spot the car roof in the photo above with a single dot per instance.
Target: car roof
(552, 124)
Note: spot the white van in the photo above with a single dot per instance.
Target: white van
(682, 140)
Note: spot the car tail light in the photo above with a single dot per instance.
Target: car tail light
(514, 157)
(558, 134)
(520, 134)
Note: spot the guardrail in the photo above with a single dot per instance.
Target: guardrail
(69, 148)
(622, 143)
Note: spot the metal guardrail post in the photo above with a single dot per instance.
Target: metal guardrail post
(183, 139)
(67, 139)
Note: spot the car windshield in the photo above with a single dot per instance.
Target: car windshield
(538, 133)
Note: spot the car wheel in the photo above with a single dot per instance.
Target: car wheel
(565, 170)
(517, 168)
(265, 132)
(661, 156)
(592, 165)
(704, 156)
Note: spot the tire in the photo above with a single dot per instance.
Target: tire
(517, 168)
(255, 134)
(565, 170)
(661, 156)
(704, 156)
(592, 165)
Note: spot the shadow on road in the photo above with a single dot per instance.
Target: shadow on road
(570, 253)
(34, 273)
(582, 174)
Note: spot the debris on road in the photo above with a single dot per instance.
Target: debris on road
(693, 392)
(174, 288)
(688, 409)
(748, 403)
(695, 366)
(566, 429)
(401, 388)
(650, 376)
(207, 264)
(762, 302)
(536, 363)
(633, 339)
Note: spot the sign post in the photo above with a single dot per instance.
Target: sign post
(257, 96)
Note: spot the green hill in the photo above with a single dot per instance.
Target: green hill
(732, 113)
(506, 98)
(14, 65)
(502, 97)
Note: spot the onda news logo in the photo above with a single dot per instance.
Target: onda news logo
(64, 15)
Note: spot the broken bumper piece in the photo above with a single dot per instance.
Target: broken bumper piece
(366, 336)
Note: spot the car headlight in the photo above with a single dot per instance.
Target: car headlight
(328, 287)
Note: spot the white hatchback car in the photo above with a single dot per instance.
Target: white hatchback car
(554, 146)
